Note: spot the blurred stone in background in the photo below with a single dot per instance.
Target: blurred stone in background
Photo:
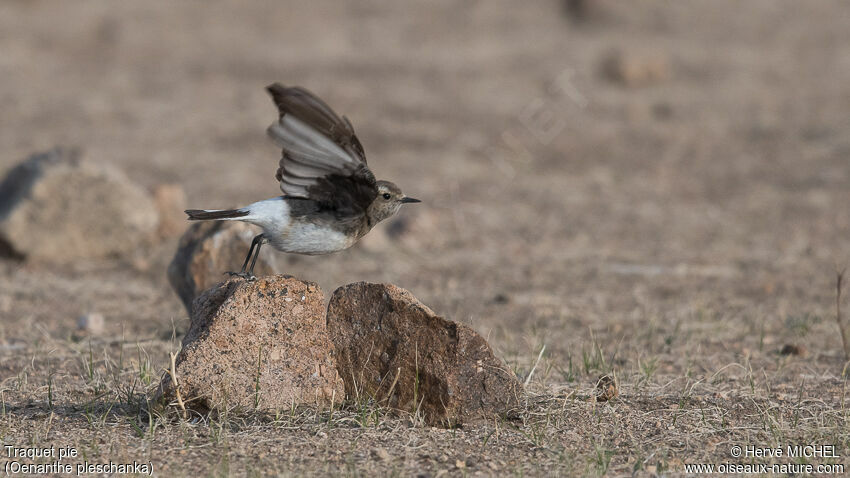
(57, 208)
(634, 69)
(92, 323)
(415, 230)
(207, 251)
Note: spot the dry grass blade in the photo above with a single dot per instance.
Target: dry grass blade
(172, 372)
(842, 327)
(531, 373)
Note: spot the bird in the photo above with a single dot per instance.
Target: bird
(330, 197)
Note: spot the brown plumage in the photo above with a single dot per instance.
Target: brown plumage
(340, 183)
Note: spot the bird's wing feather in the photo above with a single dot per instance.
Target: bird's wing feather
(322, 158)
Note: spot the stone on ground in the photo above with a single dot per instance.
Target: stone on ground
(392, 348)
(259, 345)
(57, 208)
(606, 388)
(91, 323)
(209, 249)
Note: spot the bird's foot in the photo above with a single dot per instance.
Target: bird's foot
(244, 275)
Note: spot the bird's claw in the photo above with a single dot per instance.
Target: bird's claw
(244, 275)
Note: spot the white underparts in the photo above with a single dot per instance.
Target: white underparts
(288, 235)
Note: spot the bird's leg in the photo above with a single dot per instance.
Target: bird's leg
(255, 245)
(256, 254)
(250, 253)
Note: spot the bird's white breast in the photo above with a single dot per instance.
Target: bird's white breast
(295, 235)
(309, 238)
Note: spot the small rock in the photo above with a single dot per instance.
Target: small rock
(590, 12)
(636, 69)
(381, 453)
(793, 349)
(606, 388)
(662, 111)
(577, 9)
(57, 208)
(91, 323)
(140, 263)
(207, 251)
(249, 349)
(170, 202)
(395, 349)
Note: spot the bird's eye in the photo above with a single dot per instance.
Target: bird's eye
(387, 195)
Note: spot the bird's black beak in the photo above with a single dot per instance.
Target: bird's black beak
(407, 199)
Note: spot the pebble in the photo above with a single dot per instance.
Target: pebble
(92, 323)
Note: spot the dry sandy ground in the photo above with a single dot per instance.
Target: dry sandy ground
(677, 232)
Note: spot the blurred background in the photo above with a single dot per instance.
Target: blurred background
(586, 166)
(657, 189)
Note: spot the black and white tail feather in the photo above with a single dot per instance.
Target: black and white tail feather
(216, 214)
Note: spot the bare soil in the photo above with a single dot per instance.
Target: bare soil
(678, 230)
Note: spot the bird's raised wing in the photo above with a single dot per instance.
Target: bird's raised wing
(322, 158)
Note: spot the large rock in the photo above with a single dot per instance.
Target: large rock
(57, 208)
(257, 345)
(209, 249)
(392, 348)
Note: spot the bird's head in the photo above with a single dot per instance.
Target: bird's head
(388, 201)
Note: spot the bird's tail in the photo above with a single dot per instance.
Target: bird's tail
(216, 214)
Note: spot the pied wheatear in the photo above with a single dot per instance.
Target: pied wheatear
(330, 197)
